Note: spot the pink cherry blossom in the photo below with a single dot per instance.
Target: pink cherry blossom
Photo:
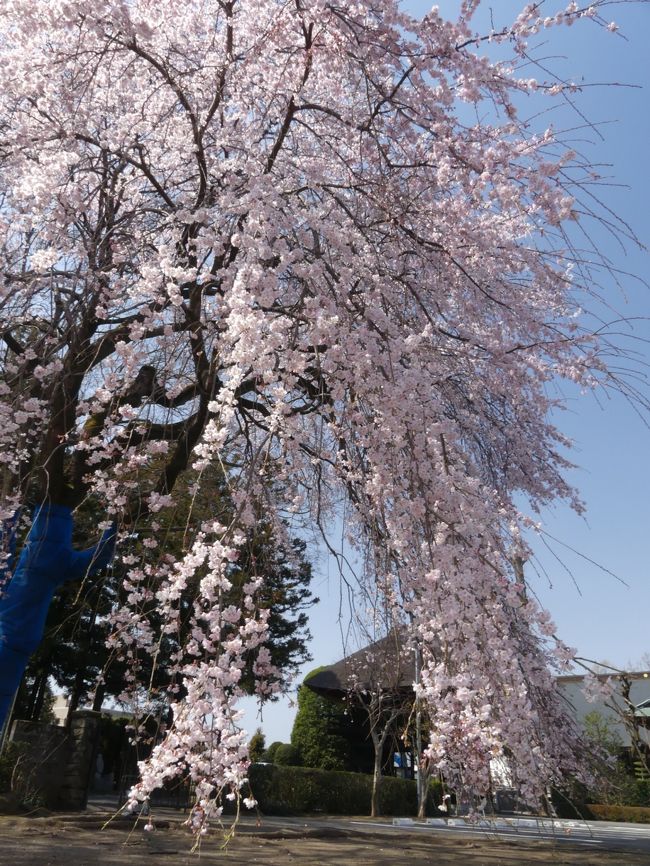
(261, 237)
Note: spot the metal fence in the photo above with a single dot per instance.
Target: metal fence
(176, 795)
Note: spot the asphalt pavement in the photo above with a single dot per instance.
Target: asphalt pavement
(606, 835)
(602, 835)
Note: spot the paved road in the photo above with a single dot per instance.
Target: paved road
(604, 835)
(601, 835)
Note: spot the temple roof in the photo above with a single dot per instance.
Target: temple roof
(387, 664)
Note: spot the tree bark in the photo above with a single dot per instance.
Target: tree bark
(423, 786)
(75, 694)
(376, 778)
(98, 700)
(41, 691)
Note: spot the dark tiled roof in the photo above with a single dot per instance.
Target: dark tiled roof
(385, 663)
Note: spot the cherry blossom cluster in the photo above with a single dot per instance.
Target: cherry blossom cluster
(265, 237)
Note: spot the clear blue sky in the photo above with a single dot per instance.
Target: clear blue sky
(603, 618)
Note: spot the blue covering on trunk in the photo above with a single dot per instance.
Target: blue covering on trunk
(46, 561)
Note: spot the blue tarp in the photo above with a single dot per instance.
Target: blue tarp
(46, 561)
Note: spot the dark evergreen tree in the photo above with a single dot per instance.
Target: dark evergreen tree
(34, 700)
(74, 652)
(269, 754)
(287, 755)
(330, 734)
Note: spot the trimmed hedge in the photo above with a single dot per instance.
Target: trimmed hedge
(298, 790)
(635, 814)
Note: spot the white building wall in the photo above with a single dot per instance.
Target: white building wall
(571, 687)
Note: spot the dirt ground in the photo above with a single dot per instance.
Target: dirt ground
(77, 841)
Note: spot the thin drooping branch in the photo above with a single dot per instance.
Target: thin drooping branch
(259, 243)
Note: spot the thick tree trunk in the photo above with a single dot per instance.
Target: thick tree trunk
(76, 693)
(423, 787)
(98, 700)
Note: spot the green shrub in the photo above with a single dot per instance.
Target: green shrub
(641, 793)
(621, 788)
(10, 756)
(269, 754)
(298, 790)
(287, 755)
(18, 788)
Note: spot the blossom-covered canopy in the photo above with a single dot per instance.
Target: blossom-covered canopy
(310, 244)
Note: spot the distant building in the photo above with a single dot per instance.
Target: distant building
(627, 708)
(61, 706)
(630, 699)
